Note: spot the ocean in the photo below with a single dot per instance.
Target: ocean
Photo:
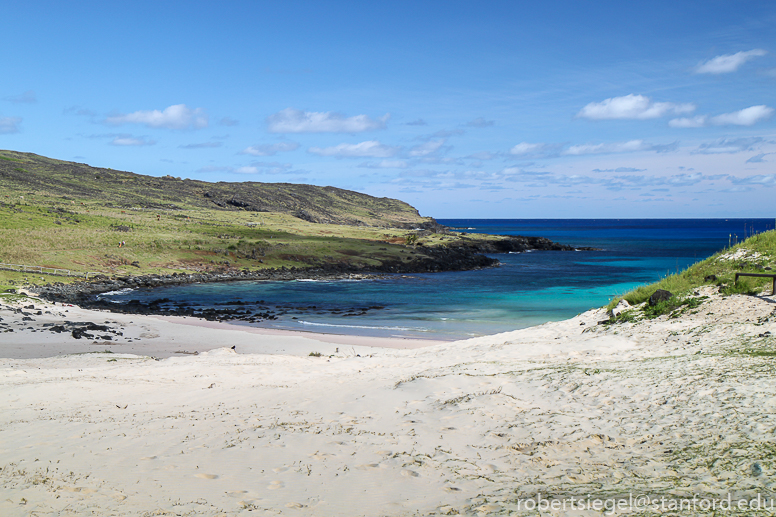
(526, 289)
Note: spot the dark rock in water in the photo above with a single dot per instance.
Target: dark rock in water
(710, 278)
(661, 295)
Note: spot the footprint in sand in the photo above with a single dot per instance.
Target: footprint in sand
(368, 466)
(452, 489)
(274, 485)
(294, 505)
(280, 469)
(409, 473)
(487, 508)
(237, 493)
(148, 458)
(383, 453)
(206, 476)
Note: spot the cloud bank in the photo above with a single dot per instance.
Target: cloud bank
(727, 63)
(368, 149)
(745, 117)
(126, 140)
(632, 107)
(270, 149)
(178, 116)
(291, 120)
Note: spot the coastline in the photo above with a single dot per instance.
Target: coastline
(471, 427)
(161, 336)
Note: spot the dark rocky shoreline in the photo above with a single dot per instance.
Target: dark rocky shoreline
(466, 255)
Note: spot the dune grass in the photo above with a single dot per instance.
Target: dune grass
(754, 255)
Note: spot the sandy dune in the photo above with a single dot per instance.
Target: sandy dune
(664, 406)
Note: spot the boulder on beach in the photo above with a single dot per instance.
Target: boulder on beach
(661, 295)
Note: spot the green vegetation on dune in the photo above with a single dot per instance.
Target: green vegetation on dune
(757, 254)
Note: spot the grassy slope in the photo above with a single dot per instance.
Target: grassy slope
(82, 183)
(750, 256)
(65, 215)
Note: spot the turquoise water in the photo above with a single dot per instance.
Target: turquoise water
(527, 289)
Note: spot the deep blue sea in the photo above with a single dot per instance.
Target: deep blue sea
(527, 289)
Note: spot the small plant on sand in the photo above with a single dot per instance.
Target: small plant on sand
(623, 317)
(740, 287)
(673, 306)
(315, 354)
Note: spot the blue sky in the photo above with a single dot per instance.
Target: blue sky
(463, 109)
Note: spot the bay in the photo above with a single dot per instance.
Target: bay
(526, 289)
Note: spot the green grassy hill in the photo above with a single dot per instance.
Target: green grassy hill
(22, 173)
(72, 216)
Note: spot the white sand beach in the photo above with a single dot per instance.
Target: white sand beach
(675, 406)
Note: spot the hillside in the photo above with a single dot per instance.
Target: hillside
(757, 255)
(22, 172)
(96, 221)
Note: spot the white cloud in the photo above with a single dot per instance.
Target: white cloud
(615, 147)
(620, 169)
(270, 149)
(631, 107)
(745, 117)
(131, 141)
(178, 116)
(246, 170)
(291, 120)
(728, 62)
(525, 148)
(761, 179)
(27, 97)
(9, 125)
(385, 164)
(368, 149)
(685, 122)
(427, 148)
